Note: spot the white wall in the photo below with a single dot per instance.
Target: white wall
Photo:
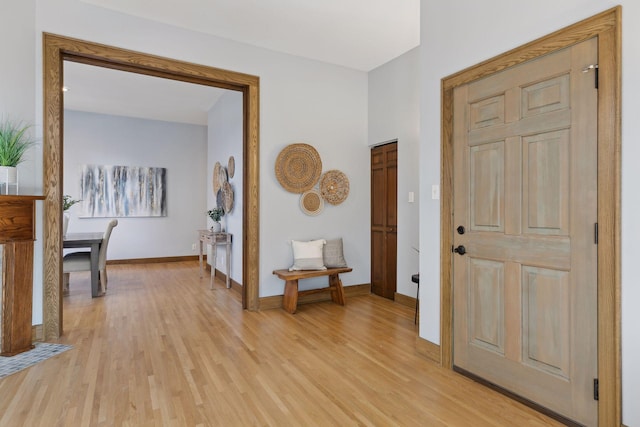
(225, 140)
(102, 139)
(18, 66)
(300, 100)
(394, 107)
(17, 101)
(457, 34)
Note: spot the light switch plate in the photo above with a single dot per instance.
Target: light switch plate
(435, 192)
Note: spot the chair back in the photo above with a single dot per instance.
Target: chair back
(102, 258)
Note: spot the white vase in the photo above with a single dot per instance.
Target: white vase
(65, 222)
(216, 227)
(8, 174)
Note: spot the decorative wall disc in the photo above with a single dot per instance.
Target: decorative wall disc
(311, 202)
(231, 167)
(220, 199)
(216, 179)
(227, 192)
(222, 176)
(298, 167)
(334, 187)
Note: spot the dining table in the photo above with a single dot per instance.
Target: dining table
(93, 241)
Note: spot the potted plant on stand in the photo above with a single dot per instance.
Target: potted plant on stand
(14, 143)
(216, 215)
(67, 202)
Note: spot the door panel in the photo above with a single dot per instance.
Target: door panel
(487, 187)
(546, 171)
(525, 180)
(486, 304)
(546, 311)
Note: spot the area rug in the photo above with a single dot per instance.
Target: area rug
(42, 351)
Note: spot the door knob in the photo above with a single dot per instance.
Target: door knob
(460, 250)
(460, 229)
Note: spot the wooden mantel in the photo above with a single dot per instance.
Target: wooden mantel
(17, 234)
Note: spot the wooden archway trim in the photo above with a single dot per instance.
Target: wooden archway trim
(57, 49)
(607, 27)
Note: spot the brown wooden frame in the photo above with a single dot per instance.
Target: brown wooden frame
(607, 27)
(57, 49)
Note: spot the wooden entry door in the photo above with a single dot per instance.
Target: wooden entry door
(384, 219)
(525, 210)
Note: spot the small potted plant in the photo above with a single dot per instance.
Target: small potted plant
(67, 202)
(14, 143)
(216, 215)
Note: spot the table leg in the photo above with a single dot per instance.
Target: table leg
(228, 265)
(200, 258)
(290, 298)
(95, 255)
(337, 291)
(214, 252)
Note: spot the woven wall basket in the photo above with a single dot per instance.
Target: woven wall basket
(298, 167)
(311, 202)
(227, 193)
(217, 185)
(231, 167)
(334, 187)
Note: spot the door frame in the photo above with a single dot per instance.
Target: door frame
(607, 27)
(56, 50)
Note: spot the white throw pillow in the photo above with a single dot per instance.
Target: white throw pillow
(307, 255)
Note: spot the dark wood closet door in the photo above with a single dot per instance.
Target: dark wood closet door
(384, 219)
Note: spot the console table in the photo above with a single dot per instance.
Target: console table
(17, 234)
(215, 239)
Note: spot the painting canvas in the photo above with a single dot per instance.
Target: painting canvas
(123, 191)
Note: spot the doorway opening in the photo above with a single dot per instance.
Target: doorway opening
(57, 49)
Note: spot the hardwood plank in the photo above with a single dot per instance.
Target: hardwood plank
(162, 349)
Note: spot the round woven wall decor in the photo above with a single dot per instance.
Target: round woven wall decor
(223, 176)
(298, 167)
(231, 167)
(227, 192)
(220, 199)
(311, 202)
(216, 178)
(334, 187)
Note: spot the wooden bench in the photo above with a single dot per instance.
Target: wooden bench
(291, 292)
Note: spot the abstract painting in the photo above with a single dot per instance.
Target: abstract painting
(123, 191)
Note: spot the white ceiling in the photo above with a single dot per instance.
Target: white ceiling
(358, 34)
(119, 93)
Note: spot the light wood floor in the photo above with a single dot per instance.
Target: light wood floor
(161, 349)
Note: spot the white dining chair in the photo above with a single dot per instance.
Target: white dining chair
(81, 261)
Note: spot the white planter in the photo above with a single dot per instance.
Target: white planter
(8, 174)
(65, 223)
(216, 227)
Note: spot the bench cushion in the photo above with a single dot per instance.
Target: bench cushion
(307, 255)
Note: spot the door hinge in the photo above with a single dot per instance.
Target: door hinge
(596, 389)
(593, 67)
(595, 233)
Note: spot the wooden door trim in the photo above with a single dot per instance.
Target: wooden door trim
(57, 49)
(607, 27)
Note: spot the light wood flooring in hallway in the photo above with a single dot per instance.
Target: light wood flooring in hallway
(162, 349)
